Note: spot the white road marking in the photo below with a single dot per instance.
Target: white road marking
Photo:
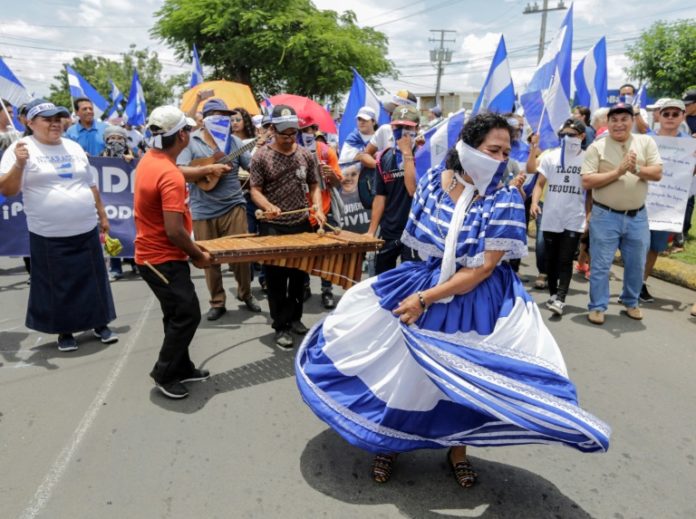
(55, 473)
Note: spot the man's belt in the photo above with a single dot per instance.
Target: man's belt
(630, 212)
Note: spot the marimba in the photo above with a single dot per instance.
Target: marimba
(337, 258)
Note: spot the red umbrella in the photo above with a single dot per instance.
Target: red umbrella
(307, 109)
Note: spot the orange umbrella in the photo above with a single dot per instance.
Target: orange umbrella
(233, 94)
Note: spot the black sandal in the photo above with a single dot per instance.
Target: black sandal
(382, 467)
(463, 471)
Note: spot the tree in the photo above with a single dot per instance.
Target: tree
(665, 58)
(98, 70)
(275, 45)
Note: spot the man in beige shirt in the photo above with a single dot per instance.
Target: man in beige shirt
(617, 169)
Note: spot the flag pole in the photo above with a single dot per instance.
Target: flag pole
(7, 114)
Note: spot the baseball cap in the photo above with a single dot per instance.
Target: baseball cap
(689, 97)
(284, 117)
(436, 110)
(167, 120)
(367, 114)
(673, 103)
(45, 108)
(576, 125)
(215, 105)
(406, 115)
(658, 104)
(620, 108)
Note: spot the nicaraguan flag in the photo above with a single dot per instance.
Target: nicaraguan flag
(438, 140)
(546, 101)
(498, 92)
(266, 105)
(80, 87)
(360, 95)
(197, 72)
(591, 77)
(641, 98)
(11, 88)
(116, 99)
(218, 127)
(136, 109)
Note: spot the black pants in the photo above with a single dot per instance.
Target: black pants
(181, 315)
(687, 216)
(386, 257)
(560, 250)
(285, 286)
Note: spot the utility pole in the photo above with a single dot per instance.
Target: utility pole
(440, 56)
(534, 9)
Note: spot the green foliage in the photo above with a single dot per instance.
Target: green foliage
(665, 58)
(275, 45)
(98, 70)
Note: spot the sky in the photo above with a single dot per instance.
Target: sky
(38, 36)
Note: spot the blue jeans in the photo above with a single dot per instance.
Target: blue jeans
(610, 231)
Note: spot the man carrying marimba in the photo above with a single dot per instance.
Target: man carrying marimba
(282, 174)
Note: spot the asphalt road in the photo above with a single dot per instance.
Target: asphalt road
(85, 435)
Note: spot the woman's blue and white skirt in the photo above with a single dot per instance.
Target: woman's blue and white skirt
(480, 370)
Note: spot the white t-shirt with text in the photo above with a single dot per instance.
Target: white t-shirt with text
(564, 203)
(58, 201)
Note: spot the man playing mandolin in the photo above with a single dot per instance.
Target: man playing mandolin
(211, 164)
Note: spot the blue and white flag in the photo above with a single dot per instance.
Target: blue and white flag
(591, 77)
(546, 101)
(80, 87)
(197, 72)
(640, 100)
(498, 92)
(11, 88)
(218, 127)
(136, 110)
(360, 95)
(116, 99)
(266, 106)
(438, 140)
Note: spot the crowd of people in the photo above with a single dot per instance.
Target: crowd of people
(438, 346)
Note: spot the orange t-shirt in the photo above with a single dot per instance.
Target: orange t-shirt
(326, 155)
(159, 186)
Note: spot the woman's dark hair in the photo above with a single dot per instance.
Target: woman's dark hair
(474, 133)
(249, 129)
(585, 112)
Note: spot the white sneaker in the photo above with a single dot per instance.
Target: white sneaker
(550, 301)
(557, 307)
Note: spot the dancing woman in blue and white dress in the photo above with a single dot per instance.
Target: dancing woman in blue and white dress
(450, 351)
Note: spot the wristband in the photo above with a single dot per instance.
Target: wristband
(421, 300)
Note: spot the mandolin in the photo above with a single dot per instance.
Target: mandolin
(208, 182)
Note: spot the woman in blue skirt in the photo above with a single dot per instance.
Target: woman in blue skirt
(450, 351)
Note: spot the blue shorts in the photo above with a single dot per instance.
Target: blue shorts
(659, 240)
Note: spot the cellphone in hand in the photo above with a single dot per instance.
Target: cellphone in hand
(205, 94)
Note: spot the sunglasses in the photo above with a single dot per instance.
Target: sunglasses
(236, 119)
(289, 135)
(669, 115)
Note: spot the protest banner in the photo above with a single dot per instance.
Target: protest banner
(666, 200)
(115, 181)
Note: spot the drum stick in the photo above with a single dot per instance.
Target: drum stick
(157, 272)
(262, 215)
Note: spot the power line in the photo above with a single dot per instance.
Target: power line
(427, 10)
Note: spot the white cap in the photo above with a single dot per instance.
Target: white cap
(658, 104)
(366, 113)
(169, 120)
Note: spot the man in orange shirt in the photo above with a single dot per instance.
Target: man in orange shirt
(163, 246)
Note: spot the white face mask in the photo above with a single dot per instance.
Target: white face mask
(483, 169)
(572, 145)
(309, 141)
